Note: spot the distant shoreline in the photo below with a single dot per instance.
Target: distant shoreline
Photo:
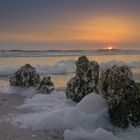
(61, 53)
(20, 50)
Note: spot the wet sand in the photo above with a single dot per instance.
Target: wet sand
(8, 108)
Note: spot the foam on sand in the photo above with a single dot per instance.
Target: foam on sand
(27, 92)
(55, 112)
(87, 120)
(98, 134)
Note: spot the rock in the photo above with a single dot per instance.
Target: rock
(24, 77)
(138, 84)
(85, 80)
(122, 95)
(45, 85)
(82, 64)
(113, 82)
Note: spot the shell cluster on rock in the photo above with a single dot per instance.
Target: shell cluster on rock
(122, 95)
(85, 80)
(113, 82)
(27, 76)
(45, 85)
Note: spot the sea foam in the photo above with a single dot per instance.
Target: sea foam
(87, 120)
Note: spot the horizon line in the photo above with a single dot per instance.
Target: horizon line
(74, 50)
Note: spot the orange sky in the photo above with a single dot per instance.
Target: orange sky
(100, 29)
(71, 22)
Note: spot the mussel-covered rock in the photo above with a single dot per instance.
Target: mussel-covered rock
(85, 80)
(46, 85)
(122, 95)
(138, 85)
(25, 76)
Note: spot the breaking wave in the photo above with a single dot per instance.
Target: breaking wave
(54, 53)
(64, 67)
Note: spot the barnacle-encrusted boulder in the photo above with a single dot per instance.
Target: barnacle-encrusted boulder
(122, 95)
(24, 77)
(138, 84)
(85, 80)
(46, 85)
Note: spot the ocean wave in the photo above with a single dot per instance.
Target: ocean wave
(109, 64)
(61, 68)
(64, 67)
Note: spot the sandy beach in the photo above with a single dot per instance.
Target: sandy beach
(8, 108)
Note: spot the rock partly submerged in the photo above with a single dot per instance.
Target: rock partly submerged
(85, 80)
(25, 76)
(45, 85)
(118, 87)
(122, 95)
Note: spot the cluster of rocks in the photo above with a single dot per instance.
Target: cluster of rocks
(27, 76)
(117, 86)
(85, 80)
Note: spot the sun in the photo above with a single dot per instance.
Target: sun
(110, 48)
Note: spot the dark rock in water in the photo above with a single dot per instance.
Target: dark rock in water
(25, 76)
(138, 84)
(46, 85)
(122, 95)
(85, 81)
(113, 83)
(82, 64)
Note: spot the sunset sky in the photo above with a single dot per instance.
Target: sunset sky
(69, 24)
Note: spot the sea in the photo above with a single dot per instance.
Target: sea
(60, 65)
(86, 120)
